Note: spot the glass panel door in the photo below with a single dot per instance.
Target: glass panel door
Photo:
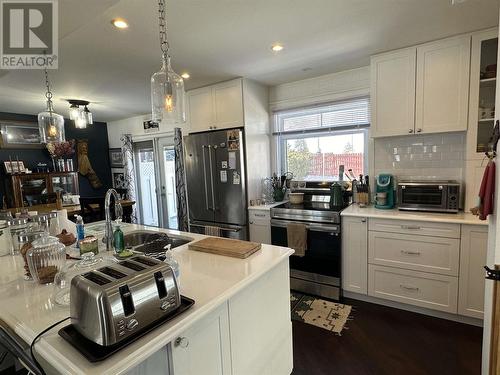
(167, 185)
(144, 158)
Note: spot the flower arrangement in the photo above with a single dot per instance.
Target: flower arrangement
(61, 149)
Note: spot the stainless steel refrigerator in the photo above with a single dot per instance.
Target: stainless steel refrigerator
(216, 183)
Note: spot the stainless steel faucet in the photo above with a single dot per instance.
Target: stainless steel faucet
(108, 236)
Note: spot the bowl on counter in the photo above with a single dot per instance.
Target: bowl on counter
(296, 198)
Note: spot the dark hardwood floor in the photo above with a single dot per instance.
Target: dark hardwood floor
(382, 340)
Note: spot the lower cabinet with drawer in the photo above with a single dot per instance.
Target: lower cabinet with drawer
(260, 226)
(433, 291)
(419, 253)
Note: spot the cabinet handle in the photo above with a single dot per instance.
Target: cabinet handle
(363, 220)
(412, 288)
(183, 342)
(251, 222)
(414, 227)
(410, 130)
(419, 130)
(410, 252)
(259, 215)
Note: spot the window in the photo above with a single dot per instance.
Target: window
(313, 142)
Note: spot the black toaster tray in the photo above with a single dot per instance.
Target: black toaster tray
(94, 352)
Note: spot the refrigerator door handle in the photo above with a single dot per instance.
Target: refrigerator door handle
(205, 174)
(211, 175)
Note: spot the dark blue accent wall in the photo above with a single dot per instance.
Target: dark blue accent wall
(97, 136)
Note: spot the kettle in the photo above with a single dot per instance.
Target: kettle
(336, 196)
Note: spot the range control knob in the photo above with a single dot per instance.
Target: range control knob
(132, 324)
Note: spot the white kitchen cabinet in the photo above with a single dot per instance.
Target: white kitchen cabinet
(355, 254)
(393, 93)
(438, 292)
(228, 104)
(474, 246)
(421, 89)
(442, 92)
(260, 226)
(218, 106)
(420, 253)
(261, 327)
(200, 109)
(204, 348)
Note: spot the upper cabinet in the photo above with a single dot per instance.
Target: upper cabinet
(442, 86)
(422, 89)
(393, 93)
(218, 106)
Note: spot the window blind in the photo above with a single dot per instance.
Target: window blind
(349, 114)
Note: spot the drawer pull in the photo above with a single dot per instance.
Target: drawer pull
(412, 288)
(414, 227)
(405, 252)
(259, 215)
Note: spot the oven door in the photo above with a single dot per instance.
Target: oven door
(422, 197)
(318, 271)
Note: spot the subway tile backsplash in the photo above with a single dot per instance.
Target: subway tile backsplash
(434, 156)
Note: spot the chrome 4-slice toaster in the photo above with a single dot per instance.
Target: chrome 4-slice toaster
(113, 303)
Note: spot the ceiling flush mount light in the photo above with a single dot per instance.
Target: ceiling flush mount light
(167, 87)
(80, 113)
(185, 75)
(119, 23)
(277, 47)
(51, 124)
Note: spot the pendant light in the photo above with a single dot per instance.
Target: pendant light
(167, 87)
(81, 117)
(50, 123)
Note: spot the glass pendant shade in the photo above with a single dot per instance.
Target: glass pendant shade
(74, 112)
(87, 115)
(51, 125)
(167, 95)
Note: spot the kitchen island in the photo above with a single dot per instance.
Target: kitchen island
(239, 324)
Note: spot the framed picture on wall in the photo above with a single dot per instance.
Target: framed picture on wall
(116, 158)
(20, 135)
(150, 126)
(119, 180)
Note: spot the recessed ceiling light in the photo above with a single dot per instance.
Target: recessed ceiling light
(185, 75)
(119, 23)
(277, 47)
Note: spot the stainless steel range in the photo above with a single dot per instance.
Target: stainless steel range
(319, 270)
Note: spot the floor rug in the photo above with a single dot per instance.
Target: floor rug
(319, 312)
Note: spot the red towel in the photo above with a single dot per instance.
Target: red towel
(487, 191)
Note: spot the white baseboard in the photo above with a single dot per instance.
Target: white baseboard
(420, 310)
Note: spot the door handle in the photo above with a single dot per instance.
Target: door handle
(211, 175)
(205, 176)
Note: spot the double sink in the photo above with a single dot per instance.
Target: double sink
(152, 243)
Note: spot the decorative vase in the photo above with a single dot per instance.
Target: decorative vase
(69, 165)
(61, 165)
(278, 195)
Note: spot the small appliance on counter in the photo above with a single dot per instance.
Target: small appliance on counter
(429, 196)
(118, 303)
(384, 191)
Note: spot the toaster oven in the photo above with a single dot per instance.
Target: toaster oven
(431, 196)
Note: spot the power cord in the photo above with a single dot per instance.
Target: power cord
(37, 337)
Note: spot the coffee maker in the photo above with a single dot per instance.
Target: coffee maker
(384, 191)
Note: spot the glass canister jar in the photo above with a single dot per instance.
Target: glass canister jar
(46, 258)
(16, 227)
(40, 222)
(54, 227)
(25, 239)
(5, 239)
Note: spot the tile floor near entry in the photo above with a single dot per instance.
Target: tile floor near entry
(386, 341)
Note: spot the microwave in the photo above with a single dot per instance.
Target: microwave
(431, 196)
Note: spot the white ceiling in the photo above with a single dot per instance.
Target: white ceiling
(216, 40)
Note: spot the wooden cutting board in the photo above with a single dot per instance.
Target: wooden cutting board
(225, 246)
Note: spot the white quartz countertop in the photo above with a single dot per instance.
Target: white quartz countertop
(266, 207)
(372, 212)
(209, 279)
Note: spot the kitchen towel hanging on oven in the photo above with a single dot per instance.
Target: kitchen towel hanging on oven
(486, 192)
(297, 238)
